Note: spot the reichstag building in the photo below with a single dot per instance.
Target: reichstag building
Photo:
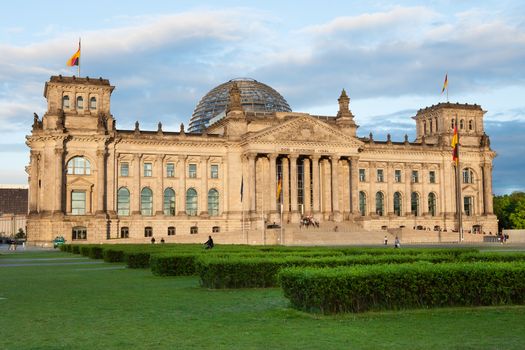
(246, 160)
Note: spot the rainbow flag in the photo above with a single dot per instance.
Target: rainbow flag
(445, 84)
(454, 144)
(75, 59)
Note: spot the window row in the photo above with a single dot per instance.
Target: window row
(398, 177)
(398, 204)
(80, 232)
(463, 124)
(169, 170)
(79, 103)
(171, 231)
(146, 202)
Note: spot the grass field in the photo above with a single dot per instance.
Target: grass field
(50, 303)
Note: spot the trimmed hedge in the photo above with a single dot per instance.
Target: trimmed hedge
(420, 285)
(260, 272)
(137, 260)
(169, 264)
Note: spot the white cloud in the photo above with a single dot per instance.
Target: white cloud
(395, 17)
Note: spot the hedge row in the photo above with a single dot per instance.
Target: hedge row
(256, 272)
(421, 285)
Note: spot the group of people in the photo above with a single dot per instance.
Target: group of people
(308, 221)
(397, 242)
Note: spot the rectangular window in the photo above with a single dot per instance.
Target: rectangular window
(194, 230)
(468, 206)
(170, 170)
(380, 177)
(214, 171)
(192, 171)
(124, 169)
(216, 229)
(397, 175)
(124, 232)
(171, 231)
(432, 177)
(148, 169)
(415, 176)
(148, 231)
(78, 202)
(362, 175)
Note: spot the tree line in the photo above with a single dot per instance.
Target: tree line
(510, 210)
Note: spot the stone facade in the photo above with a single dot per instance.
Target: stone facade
(90, 182)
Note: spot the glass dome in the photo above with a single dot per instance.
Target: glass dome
(255, 97)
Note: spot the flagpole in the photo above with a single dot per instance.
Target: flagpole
(458, 190)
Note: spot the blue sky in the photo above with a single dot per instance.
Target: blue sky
(163, 56)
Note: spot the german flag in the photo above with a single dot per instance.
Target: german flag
(75, 59)
(279, 187)
(455, 144)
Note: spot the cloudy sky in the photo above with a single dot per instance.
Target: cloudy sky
(163, 56)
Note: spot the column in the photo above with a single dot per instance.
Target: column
(354, 185)
(204, 185)
(487, 187)
(59, 177)
(251, 180)
(315, 183)
(273, 185)
(306, 190)
(135, 194)
(423, 200)
(33, 181)
(408, 178)
(101, 180)
(180, 194)
(372, 178)
(158, 194)
(293, 183)
(334, 159)
(286, 184)
(389, 196)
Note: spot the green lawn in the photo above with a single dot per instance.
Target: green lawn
(105, 306)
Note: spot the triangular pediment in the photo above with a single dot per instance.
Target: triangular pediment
(304, 130)
(80, 182)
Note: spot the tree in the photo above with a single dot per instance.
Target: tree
(20, 234)
(510, 210)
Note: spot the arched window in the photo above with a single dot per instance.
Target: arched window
(424, 127)
(65, 102)
(78, 166)
(432, 203)
(430, 122)
(213, 202)
(123, 201)
(93, 103)
(191, 202)
(79, 232)
(146, 202)
(461, 124)
(437, 128)
(169, 202)
(397, 204)
(468, 176)
(80, 102)
(414, 201)
(362, 203)
(380, 199)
